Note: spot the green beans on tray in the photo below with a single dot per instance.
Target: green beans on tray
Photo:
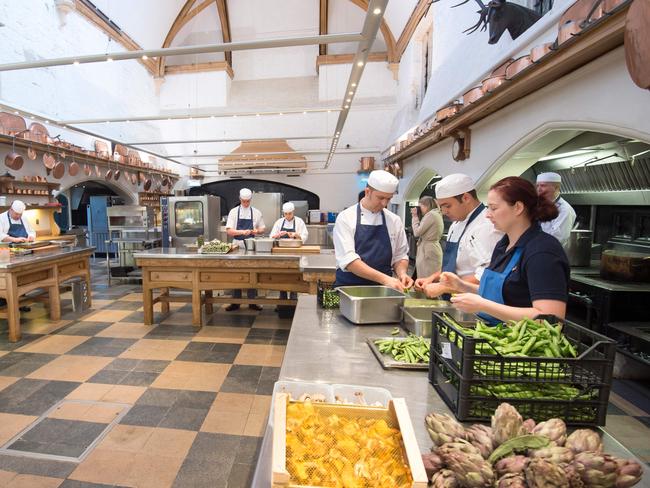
(412, 349)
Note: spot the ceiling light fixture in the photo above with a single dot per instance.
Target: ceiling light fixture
(145, 57)
(76, 63)
(377, 11)
(110, 60)
(360, 63)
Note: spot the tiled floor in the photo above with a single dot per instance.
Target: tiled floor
(199, 400)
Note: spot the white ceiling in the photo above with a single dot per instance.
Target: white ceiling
(149, 21)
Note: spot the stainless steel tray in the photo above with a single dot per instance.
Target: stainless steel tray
(417, 319)
(371, 304)
(386, 361)
(289, 242)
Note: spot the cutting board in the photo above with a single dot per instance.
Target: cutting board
(296, 250)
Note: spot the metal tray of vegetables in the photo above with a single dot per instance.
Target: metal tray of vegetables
(399, 352)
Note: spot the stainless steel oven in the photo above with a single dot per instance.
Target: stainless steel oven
(191, 217)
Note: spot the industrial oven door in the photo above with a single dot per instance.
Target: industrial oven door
(187, 219)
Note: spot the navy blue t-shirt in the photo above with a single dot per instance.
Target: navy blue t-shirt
(542, 272)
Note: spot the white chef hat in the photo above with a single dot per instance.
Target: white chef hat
(245, 194)
(18, 206)
(382, 180)
(453, 185)
(288, 207)
(549, 178)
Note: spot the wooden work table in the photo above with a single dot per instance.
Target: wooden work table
(172, 268)
(44, 270)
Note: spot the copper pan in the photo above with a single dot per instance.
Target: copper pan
(493, 82)
(109, 174)
(87, 170)
(517, 66)
(538, 52)
(116, 174)
(73, 169)
(31, 153)
(147, 183)
(134, 179)
(98, 172)
(472, 95)
(567, 31)
(59, 170)
(48, 161)
(13, 160)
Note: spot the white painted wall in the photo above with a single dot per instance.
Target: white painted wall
(574, 102)
(377, 82)
(189, 93)
(201, 29)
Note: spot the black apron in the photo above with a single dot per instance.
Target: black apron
(451, 248)
(286, 229)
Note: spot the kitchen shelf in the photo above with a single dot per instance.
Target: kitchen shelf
(33, 207)
(79, 156)
(45, 184)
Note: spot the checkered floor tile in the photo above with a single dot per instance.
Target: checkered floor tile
(198, 400)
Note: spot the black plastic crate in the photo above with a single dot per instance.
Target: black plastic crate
(464, 399)
(592, 367)
(323, 289)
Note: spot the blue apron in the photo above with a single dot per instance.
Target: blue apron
(491, 286)
(287, 229)
(451, 248)
(244, 224)
(16, 230)
(372, 244)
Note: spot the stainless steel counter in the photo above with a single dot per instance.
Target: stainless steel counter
(42, 256)
(324, 346)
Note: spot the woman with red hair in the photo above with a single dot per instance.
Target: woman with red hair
(528, 274)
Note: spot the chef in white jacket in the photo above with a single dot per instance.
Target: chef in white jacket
(289, 226)
(14, 227)
(548, 186)
(370, 241)
(471, 238)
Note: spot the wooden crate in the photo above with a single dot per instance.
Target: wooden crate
(396, 410)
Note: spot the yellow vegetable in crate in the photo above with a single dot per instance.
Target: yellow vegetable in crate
(325, 449)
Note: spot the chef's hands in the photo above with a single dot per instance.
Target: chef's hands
(18, 239)
(406, 281)
(421, 283)
(31, 238)
(434, 290)
(452, 281)
(468, 302)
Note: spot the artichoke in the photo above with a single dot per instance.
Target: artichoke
(506, 423)
(573, 476)
(443, 428)
(555, 454)
(480, 436)
(512, 480)
(529, 425)
(554, 429)
(628, 473)
(467, 464)
(584, 440)
(596, 470)
(541, 473)
(432, 463)
(444, 479)
(511, 464)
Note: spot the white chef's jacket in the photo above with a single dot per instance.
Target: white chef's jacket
(344, 228)
(4, 225)
(561, 226)
(301, 228)
(476, 246)
(258, 221)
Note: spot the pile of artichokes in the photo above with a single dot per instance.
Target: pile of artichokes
(517, 453)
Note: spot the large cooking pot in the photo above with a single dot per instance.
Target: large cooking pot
(625, 266)
(579, 247)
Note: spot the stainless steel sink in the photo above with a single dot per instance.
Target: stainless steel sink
(371, 304)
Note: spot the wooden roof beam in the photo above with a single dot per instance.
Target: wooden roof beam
(417, 15)
(389, 39)
(222, 7)
(322, 25)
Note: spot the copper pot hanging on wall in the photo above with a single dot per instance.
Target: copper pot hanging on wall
(13, 160)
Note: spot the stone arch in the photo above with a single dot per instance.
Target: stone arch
(532, 147)
(130, 197)
(418, 183)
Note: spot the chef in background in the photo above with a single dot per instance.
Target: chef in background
(369, 241)
(244, 221)
(548, 186)
(13, 227)
(471, 238)
(289, 227)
